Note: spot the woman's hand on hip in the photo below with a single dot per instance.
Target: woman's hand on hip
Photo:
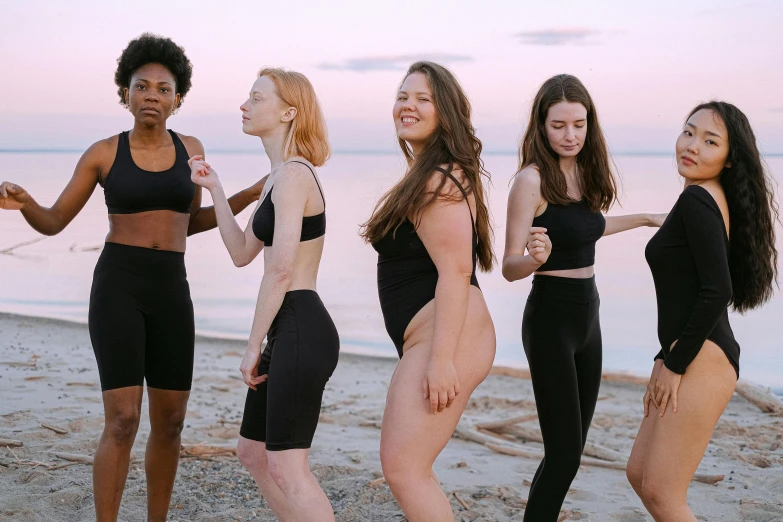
(666, 386)
(649, 394)
(441, 384)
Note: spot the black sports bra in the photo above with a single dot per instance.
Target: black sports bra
(129, 189)
(313, 227)
(573, 230)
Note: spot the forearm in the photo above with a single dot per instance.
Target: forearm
(274, 286)
(615, 224)
(233, 236)
(206, 217)
(451, 306)
(519, 266)
(46, 221)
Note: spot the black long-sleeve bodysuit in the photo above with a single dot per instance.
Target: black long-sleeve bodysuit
(689, 261)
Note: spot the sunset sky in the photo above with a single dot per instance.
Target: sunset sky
(645, 64)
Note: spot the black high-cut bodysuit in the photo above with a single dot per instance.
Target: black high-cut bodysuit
(689, 260)
(407, 276)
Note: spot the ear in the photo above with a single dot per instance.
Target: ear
(728, 165)
(125, 96)
(177, 100)
(289, 115)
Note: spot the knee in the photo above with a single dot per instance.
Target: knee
(282, 476)
(398, 471)
(123, 426)
(171, 426)
(656, 498)
(252, 456)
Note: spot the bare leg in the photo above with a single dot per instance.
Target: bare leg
(291, 472)
(252, 455)
(677, 441)
(122, 409)
(167, 417)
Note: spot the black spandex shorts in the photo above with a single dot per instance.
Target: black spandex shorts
(301, 354)
(141, 318)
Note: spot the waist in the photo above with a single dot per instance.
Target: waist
(576, 290)
(146, 262)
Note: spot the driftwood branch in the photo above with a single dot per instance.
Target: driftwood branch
(10, 250)
(760, 397)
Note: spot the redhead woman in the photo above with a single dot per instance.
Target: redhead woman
(431, 230)
(286, 381)
(716, 249)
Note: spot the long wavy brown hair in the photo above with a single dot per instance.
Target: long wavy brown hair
(597, 182)
(453, 141)
(753, 259)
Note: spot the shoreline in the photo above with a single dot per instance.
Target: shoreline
(211, 336)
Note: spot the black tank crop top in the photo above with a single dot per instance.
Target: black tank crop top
(313, 227)
(573, 230)
(407, 276)
(129, 189)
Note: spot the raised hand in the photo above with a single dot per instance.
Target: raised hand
(538, 244)
(12, 197)
(202, 174)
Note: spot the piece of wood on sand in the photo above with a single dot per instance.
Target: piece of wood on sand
(207, 450)
(56, 429)
(11, 443)
(494, 425)
(73, 457)
(377, 482)
(461, 502)
(760, 397)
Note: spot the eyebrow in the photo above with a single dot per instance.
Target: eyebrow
(689, 124)
(563, 121)
(419, 92)
(150, 81)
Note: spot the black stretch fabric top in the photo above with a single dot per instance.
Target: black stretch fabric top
(689, 260)
(130, 189)
(573, 230)
(264, 220)
(407, 276)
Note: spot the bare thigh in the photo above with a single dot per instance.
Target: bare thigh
(673, 445)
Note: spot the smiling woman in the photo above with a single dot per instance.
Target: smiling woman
(141, 316)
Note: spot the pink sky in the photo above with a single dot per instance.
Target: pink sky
(645, 65)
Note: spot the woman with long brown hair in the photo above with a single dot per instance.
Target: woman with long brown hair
(716, 248)
(430, 231)
(555, 211)
(286, 382)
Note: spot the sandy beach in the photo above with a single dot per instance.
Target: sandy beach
(48, 377)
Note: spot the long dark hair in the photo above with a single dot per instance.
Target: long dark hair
(453, 141)
(752, 211)
(597, 182)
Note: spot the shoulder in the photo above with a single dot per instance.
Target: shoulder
(704, 201)
(102, 152)
(192, 144)
(293, 175)
(444, 186)
(528, 178)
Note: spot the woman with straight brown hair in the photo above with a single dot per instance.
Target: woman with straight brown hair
(430, 231)
(555, 206)
(286, 381)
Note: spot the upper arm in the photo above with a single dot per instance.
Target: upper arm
(84, 180)
(704, 229)
(193, 146)
(446, 229)
(524, 199)
(290, 197)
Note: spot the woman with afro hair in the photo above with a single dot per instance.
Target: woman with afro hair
(141, 315)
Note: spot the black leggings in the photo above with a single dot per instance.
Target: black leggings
(561, 334)
(141, 318)
(301, 353)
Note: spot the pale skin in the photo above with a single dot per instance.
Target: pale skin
(151, 98)
(681, 411)
(283, 477)
(566, 128)
(448, 346)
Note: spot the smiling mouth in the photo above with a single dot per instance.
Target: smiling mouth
(409, 120)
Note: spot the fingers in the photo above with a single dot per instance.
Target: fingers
(646, 401)
(537, 230)
(664, 403)
(674, 401)
(451, 396)
(433, 401)
(195, 157)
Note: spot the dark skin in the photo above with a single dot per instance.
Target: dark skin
(151, 98)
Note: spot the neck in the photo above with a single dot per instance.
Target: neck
(150, 135)
(568, 166)
(274, 144)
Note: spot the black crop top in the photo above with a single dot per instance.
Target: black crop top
(573, 230)
(313, 227)
(407, 276)
(689, 260)
(129, 189)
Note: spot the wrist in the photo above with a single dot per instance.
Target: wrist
(648, 220)
(217, 190)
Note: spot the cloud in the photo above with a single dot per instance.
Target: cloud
(391, 63)
(558, 36)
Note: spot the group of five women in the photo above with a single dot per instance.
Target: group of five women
(432, 232)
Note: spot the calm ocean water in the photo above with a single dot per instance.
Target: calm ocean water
(52, 277)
